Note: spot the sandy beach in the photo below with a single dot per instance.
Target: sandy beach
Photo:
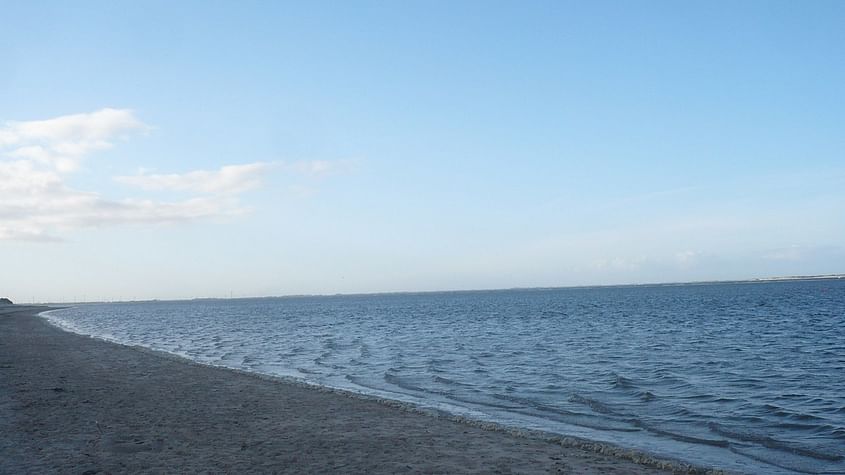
(74, 404)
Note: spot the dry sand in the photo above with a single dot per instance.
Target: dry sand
(74, 404)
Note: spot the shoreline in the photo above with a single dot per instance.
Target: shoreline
(637, 456)
(367, 433)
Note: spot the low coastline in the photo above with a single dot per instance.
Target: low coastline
(74, 403)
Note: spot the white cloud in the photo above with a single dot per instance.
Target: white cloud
(34, 203)
(319, 168)
(232, 179)
(228, 179)
(37, 156)
(62, 142)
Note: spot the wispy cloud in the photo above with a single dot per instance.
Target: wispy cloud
(228, 179)
(233, 179)
(318, 168)
(620, 263)
(801, 253)
(37, 157)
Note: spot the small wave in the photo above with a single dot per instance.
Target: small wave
(485, 403)
(405, 384)
(726, 400)
(771, 443)
(646, 396)
(553, 313)
(786, 413)
(620, 381)
(780, 462)
(593, 404)
(450, 382)
(677, 435)
(319, 360)
(569, 417)
(366, 385)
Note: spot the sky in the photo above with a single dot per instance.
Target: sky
(213, 149)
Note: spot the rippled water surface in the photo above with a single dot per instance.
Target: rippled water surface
(748, 377)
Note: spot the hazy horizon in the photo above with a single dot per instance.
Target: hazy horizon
(750, 280)
(159, 151)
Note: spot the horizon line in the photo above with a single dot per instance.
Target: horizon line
(833, 276)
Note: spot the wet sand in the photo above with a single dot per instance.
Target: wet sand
(74, 404)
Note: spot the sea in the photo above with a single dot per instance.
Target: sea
(744, 376)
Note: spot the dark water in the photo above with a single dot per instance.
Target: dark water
(747, 377)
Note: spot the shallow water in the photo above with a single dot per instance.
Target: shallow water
(745, 376)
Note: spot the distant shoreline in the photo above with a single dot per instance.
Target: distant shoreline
(757, 280)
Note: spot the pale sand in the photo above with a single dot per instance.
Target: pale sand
(74, 404)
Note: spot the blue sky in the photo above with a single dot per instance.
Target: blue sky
(161, 150)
